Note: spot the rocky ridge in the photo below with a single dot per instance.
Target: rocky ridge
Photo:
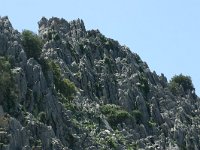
(119, 103)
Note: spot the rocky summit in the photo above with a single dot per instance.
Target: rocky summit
(68, 88)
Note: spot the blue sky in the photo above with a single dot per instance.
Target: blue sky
(165, 33)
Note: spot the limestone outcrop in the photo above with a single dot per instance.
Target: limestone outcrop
(118, 104)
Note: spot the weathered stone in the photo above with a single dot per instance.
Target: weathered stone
(104, 72)
(1, 111)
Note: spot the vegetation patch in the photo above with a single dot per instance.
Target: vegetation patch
(112, 142)
(181, 81)
(32, 44)
(137, 115)
(115, 114)
(7, 87)
(62, 85)
(144, 85)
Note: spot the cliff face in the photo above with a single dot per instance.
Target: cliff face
(86, 91)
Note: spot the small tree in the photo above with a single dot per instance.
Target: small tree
(115, 114)
(32, 44)
(180, 80)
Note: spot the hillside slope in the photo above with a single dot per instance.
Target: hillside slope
(86, 91)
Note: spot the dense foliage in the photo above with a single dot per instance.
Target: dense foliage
(181, 81)
(32, 44)
(115, 114)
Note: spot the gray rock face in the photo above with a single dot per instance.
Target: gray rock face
(1, 111)
(10, 42)
(144, 113)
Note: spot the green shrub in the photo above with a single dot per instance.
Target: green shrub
(32, 44)
(5, 75)
(115, 114)
(137, 115)
(56, 71)
(112, 143)
(63, 85)
(180, 80)
(174, 87)
(67, 88)
(7, 89)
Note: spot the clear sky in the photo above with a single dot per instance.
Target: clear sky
(165, 33)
